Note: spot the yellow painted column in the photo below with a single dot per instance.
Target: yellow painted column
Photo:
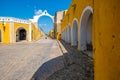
(6, 33)
(107, 39)
(30, 32)
(12, 33)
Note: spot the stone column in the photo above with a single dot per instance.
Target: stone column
(30, 29)
(65, 35)
(12, 33)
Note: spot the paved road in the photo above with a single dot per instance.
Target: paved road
(79, 65)
(22, 61)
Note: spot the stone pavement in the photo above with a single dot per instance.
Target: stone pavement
(79, 66)
(35, 60)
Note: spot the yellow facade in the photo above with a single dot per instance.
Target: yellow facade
(4, 32)
(21, 26)
(51, 34)
(75, 10)
(35, 33)
(107, 39)
(10, 28)
(105, 34)
(58, 36)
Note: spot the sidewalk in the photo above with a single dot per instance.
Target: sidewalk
(79, 66)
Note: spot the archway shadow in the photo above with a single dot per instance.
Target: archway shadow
(48, 68)
(71, 57)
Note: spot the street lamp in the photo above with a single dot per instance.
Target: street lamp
(3, 24)
(74, 7)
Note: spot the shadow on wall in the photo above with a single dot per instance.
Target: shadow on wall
(71, 57)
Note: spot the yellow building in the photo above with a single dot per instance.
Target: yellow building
(57, 23)
(93, 26)
(14, 30)
(51, 34)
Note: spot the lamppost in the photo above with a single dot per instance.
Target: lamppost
(3, 24)
(74, 7)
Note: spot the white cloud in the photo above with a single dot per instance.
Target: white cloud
(37, 12)
(42, 24)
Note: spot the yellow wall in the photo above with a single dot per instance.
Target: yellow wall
(106, 35)
(5, 32)
(42, 34)
(35, 32)
(51, 33)
(9, 34)
(20, 25)
(75, 13)
(23, 26)
(58, 37)
(107, 39)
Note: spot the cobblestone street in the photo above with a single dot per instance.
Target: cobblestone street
(79, 66)
(23, 61)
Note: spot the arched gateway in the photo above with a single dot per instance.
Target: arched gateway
(86, 31)
(21, 34)
(44, 13)
(74, 33)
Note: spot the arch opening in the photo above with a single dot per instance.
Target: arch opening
(65, 36)
(0, 36)
(89, 33)
(86, 32)
(69, 34)
(41, 14)
(21, 35)
(74, 34)
(45, 23)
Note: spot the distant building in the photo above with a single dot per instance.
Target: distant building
(51, 34)
(14, 30)
(57, 22)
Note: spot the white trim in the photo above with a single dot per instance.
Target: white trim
(73, 42)
(16, 20)
(25, 30)
(44, 13)
(1, 36)
(65, 34)
(69, 33)
(30, 29)
(69, 24)
(88, 10)
(12, 32)
(20, 28)
(75, 19)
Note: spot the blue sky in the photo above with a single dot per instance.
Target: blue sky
(25, 9)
